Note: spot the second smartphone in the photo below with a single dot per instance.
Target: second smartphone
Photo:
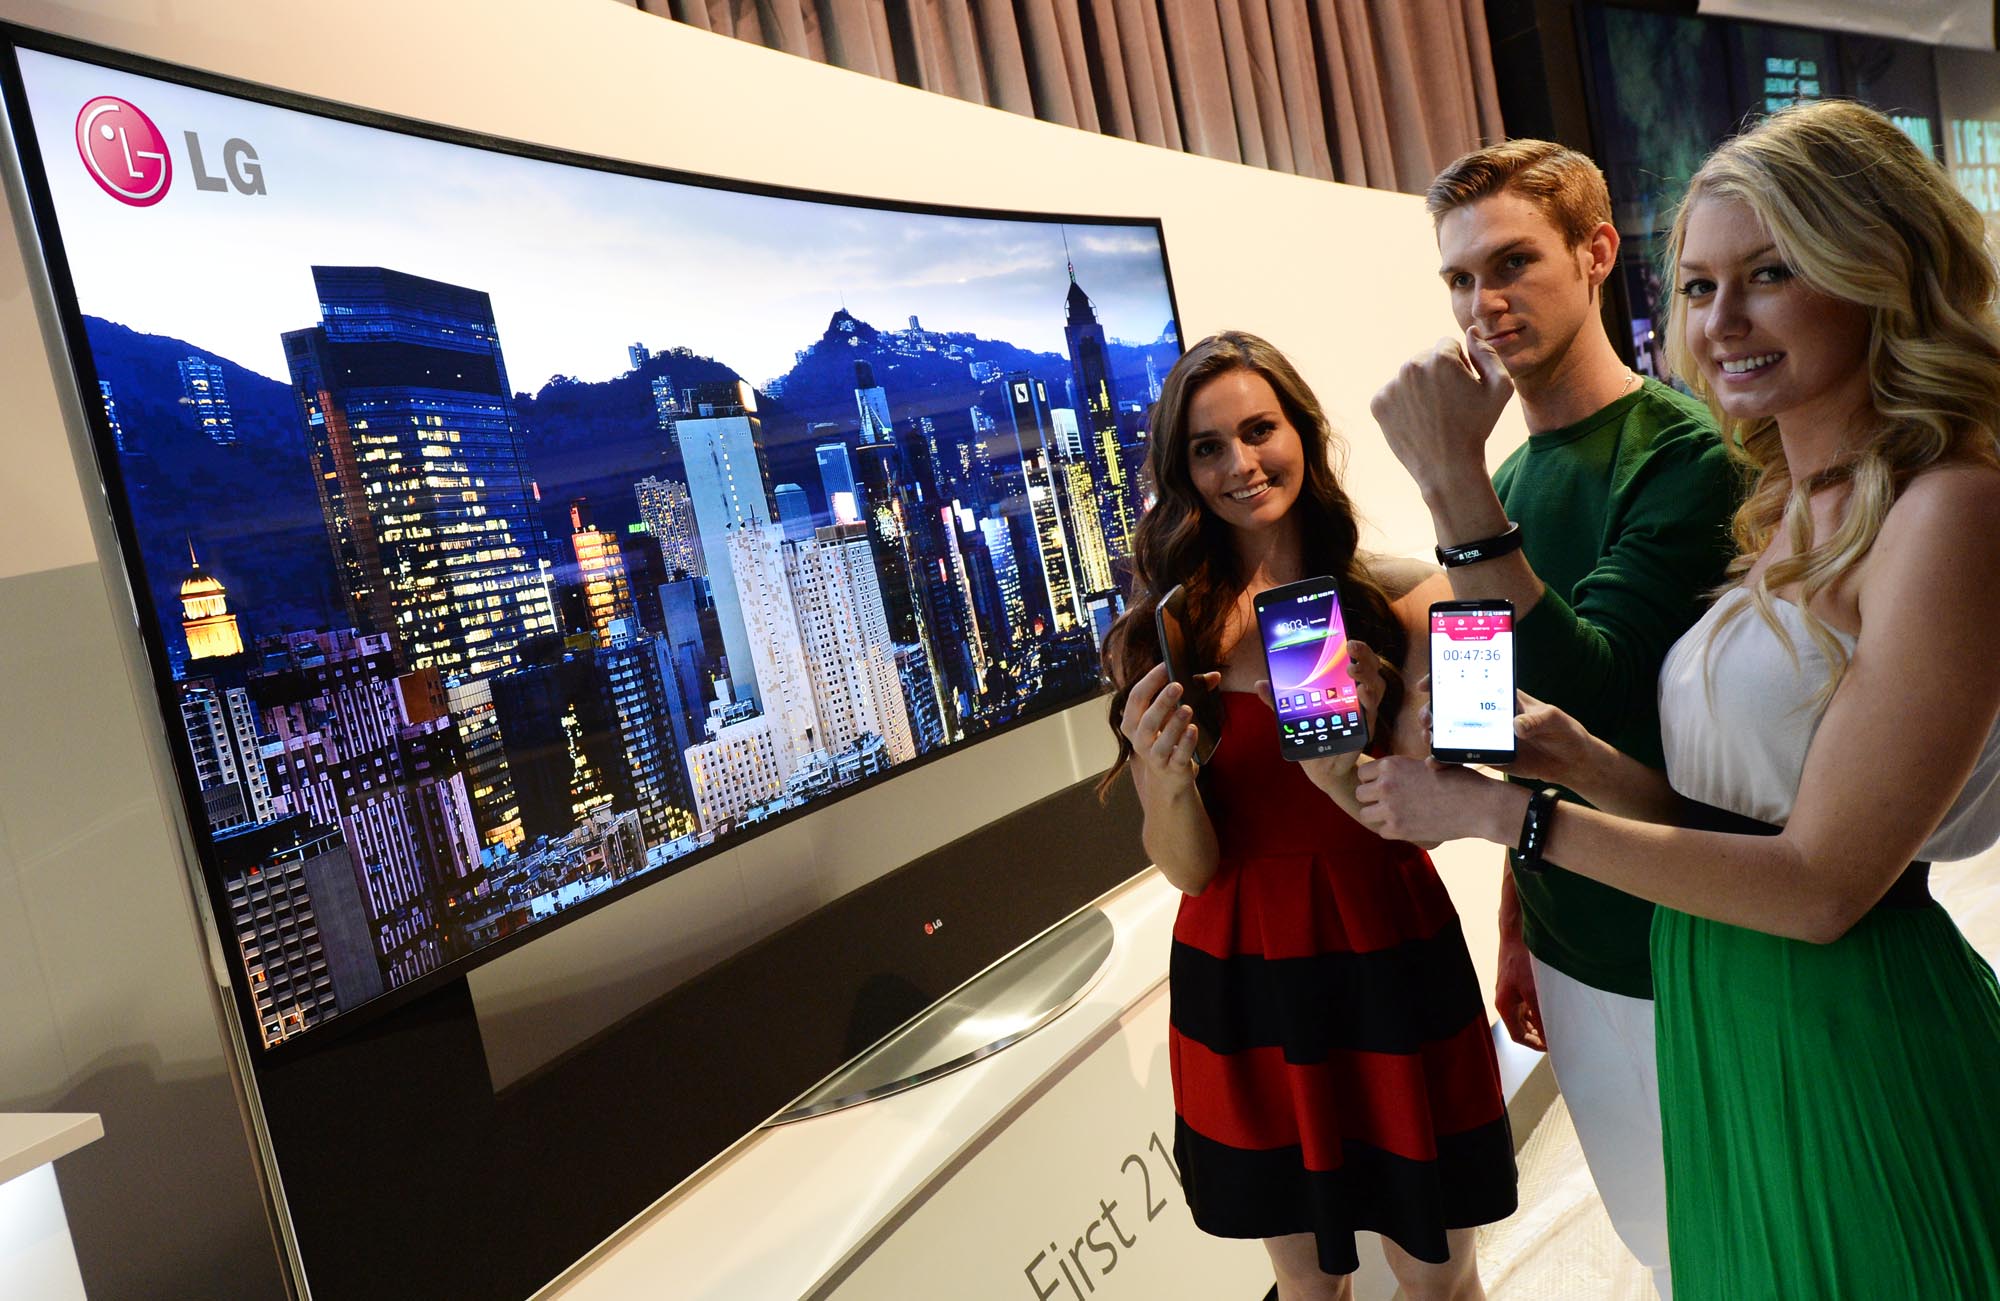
(1472, 682)
(1312, 683)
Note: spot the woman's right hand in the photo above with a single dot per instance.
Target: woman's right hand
(1160, 726)
(1550, 746)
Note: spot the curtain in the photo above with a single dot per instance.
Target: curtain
(1371, 92)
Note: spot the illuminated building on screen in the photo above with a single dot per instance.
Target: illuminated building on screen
(206, 400)
(666, 404)
(958, 573)
(296, 912)
(1069, 435)
(736, 768)
(836, 476)
(355, 742)
(794, 511)
(607, 843)
(1090, 367)
(848, 649)
(205, 617)
(560, 737)
(1006, 574)
(722, 447)
(600, 572)
(637, 673)
(1028, 412)
(1093, 559)
(111, 418)
(218, 714)
(913, 670)
(496, 811)
(872, 401)
(668, 514)
(221, 727)
(887, 495)
(777, 651)
(417, 458)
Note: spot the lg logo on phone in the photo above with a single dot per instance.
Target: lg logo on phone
(126, 154)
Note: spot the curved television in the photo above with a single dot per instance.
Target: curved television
(510, 530)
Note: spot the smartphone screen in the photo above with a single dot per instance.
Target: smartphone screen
(1472, 681)
(1312, 685)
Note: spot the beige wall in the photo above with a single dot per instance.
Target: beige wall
(104, 1002)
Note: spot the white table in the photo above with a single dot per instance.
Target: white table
(37, 1258)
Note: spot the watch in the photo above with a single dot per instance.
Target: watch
(1535, 829)
(1471, 553)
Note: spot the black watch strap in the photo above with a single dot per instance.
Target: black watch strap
(1471, 553)
(1535, 829)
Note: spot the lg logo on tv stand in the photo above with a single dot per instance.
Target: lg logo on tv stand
(127, 156)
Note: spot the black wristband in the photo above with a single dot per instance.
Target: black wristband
(1471, 553)
(1535, 829)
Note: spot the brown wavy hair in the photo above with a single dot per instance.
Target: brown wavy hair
(1179, 542)
(1861, 214)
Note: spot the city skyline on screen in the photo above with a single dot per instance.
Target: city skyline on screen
(516, 530)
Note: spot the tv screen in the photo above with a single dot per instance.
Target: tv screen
(511, 529)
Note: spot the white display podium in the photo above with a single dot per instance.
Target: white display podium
(37, 1258)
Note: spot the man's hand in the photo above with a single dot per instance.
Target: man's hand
(1441, 408)
(1514, 996)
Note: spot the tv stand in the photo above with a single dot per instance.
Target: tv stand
(1008, 1001)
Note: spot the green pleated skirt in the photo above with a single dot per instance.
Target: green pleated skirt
(1831, 1112)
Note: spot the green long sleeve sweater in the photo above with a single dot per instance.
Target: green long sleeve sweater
(1625, 517)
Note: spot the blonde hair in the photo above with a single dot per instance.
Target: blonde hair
(1860, 214)
(1565, 185)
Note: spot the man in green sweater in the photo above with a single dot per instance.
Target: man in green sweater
(1622, 496)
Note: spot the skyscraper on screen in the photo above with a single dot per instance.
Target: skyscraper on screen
(416, 455)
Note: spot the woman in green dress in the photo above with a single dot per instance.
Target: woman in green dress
(1829, 1044)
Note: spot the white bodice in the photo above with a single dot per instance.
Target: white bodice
(1737, 717)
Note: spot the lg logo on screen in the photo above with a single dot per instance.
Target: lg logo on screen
(126, 154)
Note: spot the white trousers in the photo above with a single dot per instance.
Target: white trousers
(1602, 1050)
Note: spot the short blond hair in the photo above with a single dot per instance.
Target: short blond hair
(1564, 184)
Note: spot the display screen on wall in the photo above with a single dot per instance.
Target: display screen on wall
(511, 529)
(1668, 88)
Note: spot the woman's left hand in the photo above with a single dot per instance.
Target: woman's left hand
(1424, 801)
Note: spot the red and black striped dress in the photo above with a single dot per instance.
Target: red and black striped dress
(1333, 1068)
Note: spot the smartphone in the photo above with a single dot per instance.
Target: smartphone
(1312, 682)
(1170, 624)
(1472, 681)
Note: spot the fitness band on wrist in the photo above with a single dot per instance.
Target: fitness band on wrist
(1535, 829)
(1471, 553)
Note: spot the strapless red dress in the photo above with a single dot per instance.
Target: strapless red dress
(1333, 1067)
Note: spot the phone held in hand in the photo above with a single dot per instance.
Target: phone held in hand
(1312, 680)
(1472, 681)
(1177, 653)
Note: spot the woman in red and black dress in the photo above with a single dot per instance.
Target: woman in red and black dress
(1333, 1070)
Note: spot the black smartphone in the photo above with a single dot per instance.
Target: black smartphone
(1177, 653)
(1312, 681)
(1472, 681)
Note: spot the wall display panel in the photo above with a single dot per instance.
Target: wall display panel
(813, 489)
(1969, 108)
(1667, 88)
